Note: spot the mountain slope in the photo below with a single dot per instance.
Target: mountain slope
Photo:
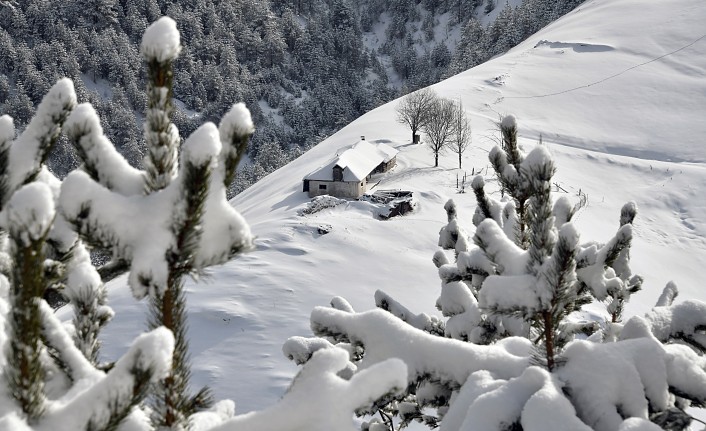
(635, 136)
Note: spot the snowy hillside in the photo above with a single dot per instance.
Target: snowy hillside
(616, 89)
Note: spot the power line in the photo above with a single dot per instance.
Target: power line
(607, 78)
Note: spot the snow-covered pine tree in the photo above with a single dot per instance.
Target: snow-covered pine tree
(539, 285)
(187, 223)
(506, 160)
(52, 373)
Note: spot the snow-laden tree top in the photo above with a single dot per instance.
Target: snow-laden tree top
(161, 41)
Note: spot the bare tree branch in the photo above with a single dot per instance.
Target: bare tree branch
(413, 109)
(440, 126)
(461, 139)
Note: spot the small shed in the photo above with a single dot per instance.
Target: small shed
(346, 176)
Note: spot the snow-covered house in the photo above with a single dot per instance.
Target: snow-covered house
(346, 176)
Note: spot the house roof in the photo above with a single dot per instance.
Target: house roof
(357, 162)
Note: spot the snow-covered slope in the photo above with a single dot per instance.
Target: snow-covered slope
(628, 124)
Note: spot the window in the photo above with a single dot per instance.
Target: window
(322, 186)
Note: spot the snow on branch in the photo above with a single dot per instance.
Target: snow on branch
(235, 130)
(94, 400)
(160, 47)
(609, 382)
(31, 149)
(78, 366)
(87, 294)
(108, 218)
(509, 258)
(101, 160)
(669, 293)
(473, 266)
(510, 294)
(562, 211)
(161, 41)
(384, 336)
(29, 214)
(340, 303)
(533, 400)
(421, 321)
(320, 400)
(300, 349)
(682, 322)
(147, 361)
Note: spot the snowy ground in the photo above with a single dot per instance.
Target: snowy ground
(635, 136)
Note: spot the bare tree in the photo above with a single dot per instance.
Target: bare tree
(413, 109)
(461, 139)
(440, 126)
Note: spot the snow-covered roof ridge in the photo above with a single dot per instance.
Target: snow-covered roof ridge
(357, 161)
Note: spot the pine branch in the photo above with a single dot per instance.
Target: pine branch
(420, 321)
(481, 198)
(507, 162)
(7, 132)
(91, 230)
(68, 357)
(41, 133)
(508, 128)
(620, 242)
(538, 172)
(100, 159)
(24, 372)
(672, 419)
(696, 402)
(628, 213)
(89, 164)
(201, 400)
(239, 146)
(235, 130)
(169, 309)
(121, 406)
(669, 293)
(120, 390)
(161, 136)
(187, 228)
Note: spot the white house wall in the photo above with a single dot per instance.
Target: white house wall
(340, 189)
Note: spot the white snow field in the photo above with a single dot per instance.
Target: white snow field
(616, 89)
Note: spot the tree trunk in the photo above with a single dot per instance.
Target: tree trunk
(549, 339)
(522, 218)
(459, 160)
(436, 159)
